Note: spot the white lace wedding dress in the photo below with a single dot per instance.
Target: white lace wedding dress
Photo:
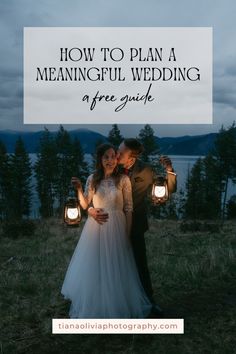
(102, 280)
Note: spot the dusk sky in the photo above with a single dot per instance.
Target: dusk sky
(17, 14)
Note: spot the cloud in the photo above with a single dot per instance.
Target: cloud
(231, 70)
(15, 14)
(224, 84)
(225, 96)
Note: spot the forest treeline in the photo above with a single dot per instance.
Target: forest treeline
(60, 157)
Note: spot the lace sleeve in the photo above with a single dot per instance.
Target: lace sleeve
(89, 191)
(127, 194)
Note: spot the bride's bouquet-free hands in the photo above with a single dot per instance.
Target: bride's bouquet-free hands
(78, 186)
(76, 183)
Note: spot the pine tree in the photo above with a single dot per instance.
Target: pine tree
(195, 191)
(180, 203)
(79, 166)
(212, 190)
(4, 181)
(203, 197)
(225, 152)
(46, 171)
(114, 136)
(64, 156)
(20, 182)
(147, 138)
(70, 162)
(231, 207)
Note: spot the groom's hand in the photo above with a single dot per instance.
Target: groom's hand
(98, 214)
(166, 162)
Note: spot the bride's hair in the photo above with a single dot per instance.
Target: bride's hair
(98, 175)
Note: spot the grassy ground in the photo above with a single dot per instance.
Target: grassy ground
(193, 275)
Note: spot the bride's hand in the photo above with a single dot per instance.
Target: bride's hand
(76, 183)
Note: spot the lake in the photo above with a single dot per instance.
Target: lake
(181, 164)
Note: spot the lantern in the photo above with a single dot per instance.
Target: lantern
(160, 192)
(72, 211)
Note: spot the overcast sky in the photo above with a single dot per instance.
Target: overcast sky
(219, 14)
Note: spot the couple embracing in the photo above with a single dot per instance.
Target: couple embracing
(108, 275)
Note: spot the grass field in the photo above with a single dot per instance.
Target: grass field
(193, 275)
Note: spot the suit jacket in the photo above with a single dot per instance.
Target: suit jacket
(142, 177)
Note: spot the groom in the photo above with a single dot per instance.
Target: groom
(141, 176)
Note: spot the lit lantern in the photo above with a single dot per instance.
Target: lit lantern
(160, 192)
(72, 212)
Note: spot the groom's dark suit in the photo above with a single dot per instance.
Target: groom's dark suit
(141, 176)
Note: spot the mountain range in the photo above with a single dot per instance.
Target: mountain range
(182, 145)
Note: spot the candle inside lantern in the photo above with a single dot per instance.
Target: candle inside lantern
(72, 213)
(160, 191)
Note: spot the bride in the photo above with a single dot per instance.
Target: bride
(102, 280)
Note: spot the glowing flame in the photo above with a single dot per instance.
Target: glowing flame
(160, 191)
(72, 213)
